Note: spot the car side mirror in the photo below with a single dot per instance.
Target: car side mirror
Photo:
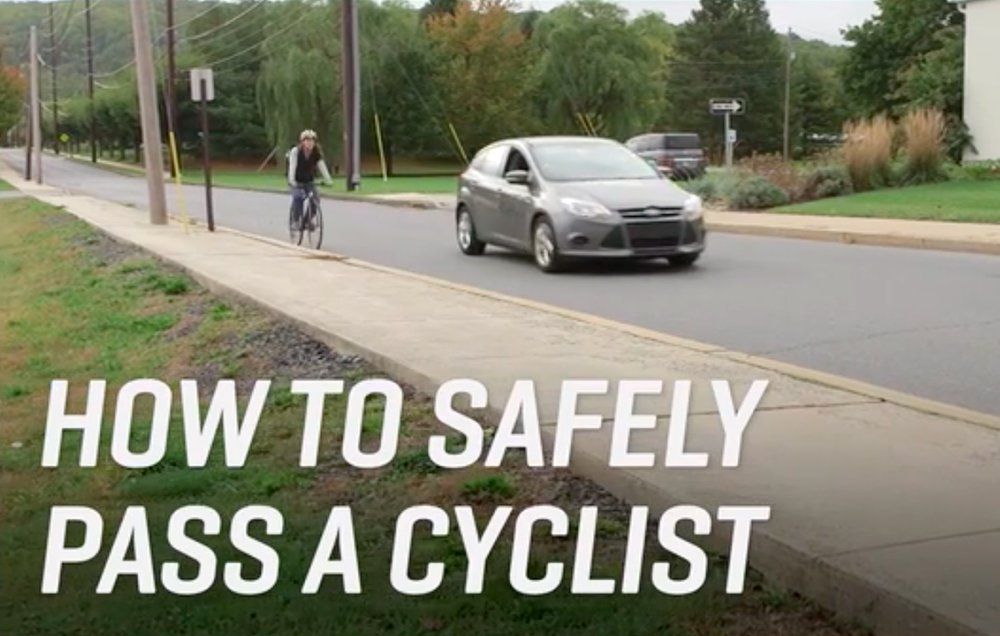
(517, 177)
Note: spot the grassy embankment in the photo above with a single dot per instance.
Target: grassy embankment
(78, 306)
(964, 201)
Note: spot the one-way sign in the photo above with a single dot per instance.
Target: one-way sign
(727, 106)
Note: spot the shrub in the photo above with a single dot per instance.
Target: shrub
(982, 170)
(827, 181)
(867, 151)
(923, 141)
(705, 187)
(775, 169)
(496, 487)
(754, 193)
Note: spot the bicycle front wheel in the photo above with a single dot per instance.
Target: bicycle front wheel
(313, 226)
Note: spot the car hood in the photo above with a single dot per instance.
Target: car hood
(625, 194)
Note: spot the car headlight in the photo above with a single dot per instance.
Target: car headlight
(586, 209)
(692, 207)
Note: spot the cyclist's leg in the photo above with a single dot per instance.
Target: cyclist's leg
(298, 196)
(310, 193)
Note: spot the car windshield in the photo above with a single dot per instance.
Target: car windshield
(681, 142)
(590, 161)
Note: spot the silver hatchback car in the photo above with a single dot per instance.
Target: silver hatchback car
(561, 198)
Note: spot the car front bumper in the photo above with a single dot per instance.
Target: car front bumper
(646, 238)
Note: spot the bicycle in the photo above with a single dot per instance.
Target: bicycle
(309, 225)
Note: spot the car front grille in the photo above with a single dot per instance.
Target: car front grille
(650, 212)
(659, 234)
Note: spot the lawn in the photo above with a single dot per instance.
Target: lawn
(966, 201)
(104, 310)
(371, 184)
(274, 181)
(5, 186)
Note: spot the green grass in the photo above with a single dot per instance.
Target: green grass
(5, 186)
(99, 310)
(252, 180)
(963, 201)
(271, 180)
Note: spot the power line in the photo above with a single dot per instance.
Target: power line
(257, 44)
(204, 34)
(64, 26)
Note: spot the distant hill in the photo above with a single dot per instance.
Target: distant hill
(112, 31)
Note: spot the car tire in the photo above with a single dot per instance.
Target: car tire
(465, 233)
(544, 249)
(683, 260)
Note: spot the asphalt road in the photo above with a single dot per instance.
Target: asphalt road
(923, 322)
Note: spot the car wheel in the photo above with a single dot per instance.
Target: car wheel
(544, 248)
(465, 231)
(683, 260)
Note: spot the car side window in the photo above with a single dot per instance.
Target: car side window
(516, 161)
(493, 160)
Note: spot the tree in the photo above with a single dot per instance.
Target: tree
(936, 80)
(728, 49)
(483, 72)
(886, 46)
(299, 83)
(12, 87)
(595, 63)
(818, 102)
(397, 76)
(661, 36)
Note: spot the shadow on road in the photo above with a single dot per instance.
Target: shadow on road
(602, 267)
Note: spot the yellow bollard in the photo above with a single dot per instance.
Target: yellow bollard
(177, 180)
(381, 152)
(458, 142)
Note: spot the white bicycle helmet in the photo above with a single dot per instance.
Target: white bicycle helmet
(308, 133)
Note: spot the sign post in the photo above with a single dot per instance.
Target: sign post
(203, 91)
(727, 108)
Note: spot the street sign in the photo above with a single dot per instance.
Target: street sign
(197, 75)
(203, 91)
(727, 106)
(731, 138)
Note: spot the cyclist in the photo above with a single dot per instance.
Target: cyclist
(303, 162)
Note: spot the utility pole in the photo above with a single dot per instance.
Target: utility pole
(171, 82)
(27, 140)
(352, 94)
(788, 91)
(729, 142)
(36, 110)
(90, 85)
(149, 116)
(55, 64)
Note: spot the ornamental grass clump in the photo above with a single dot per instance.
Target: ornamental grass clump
(867, 151)
(924, 132)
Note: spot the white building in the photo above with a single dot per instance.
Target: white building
(982, 77)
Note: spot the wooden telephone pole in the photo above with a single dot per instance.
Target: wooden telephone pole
(90, 84)
(351, 94)
(171, 87)
(55, 91)
(148, 111)
(35, 109)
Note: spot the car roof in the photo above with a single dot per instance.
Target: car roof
(547, 139)
(664, 134)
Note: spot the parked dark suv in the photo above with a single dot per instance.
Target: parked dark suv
(678, 155)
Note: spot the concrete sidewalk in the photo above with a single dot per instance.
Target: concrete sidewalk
(884, 506)
(982, 238)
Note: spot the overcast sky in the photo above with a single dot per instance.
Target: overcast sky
(811, 19)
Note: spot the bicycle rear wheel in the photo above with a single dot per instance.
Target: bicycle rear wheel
(313, 223)
(295, 227)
